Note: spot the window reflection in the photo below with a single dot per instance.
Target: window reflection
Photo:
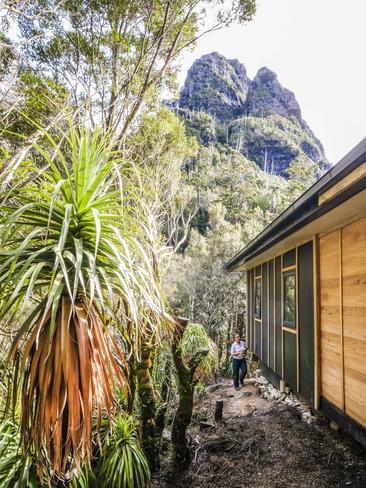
(258, 299)
(289, 298)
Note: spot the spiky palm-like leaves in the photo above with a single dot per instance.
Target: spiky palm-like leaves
(17, 469)
(68, 247)
(124, 464)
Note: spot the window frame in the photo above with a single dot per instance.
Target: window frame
(286, 274)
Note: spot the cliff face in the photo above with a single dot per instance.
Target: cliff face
(260, 117)
(217, 86)
(267, 96)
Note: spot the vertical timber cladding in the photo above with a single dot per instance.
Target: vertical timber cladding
(353, 248)
(330, 319)
(265, 335)
(271, 316)
(289, 331)
(306, 320)
(278, 324)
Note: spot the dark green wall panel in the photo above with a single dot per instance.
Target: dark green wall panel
(252, 308)
(278, 325)
(306, 320)
(271, 318)
(290, 358)
(289, 258)
(249, 312)
(258, 340)
(265, 313)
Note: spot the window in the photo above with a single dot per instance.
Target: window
(258, 299)
(289, 298)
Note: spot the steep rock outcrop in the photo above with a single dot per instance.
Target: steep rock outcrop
(266, 96)
(217, 86)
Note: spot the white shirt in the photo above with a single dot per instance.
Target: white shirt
(238, 348)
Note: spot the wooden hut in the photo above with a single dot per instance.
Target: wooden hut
(306, 294)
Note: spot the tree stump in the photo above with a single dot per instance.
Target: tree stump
(218, 411)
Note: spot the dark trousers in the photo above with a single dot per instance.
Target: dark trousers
(242, 365)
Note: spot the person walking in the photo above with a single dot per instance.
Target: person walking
(238, 359)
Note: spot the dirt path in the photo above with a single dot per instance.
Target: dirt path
(264, 444)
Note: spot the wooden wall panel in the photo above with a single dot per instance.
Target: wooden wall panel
(271, 317)
(330, 319)
(354, 318)
(265, 312)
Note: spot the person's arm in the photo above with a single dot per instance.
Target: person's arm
(232, 350)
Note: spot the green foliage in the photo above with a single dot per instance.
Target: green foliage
(160, 148)
(84, 479)
(302, 175)
(250, 196)
(274, 141)
(120, 463)
(6, 54)
(123, 463)
(251, 363)
(40, 99)
(196, 284)
(195, 339)
(17, 469)
(199, 125)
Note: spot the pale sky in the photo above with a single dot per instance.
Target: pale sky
(317, 49)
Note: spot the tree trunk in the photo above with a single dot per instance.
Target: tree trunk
(182, 419)
(165, 391)
(132, 383)
(186, 386)
(147, 405)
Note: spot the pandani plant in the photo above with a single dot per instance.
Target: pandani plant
(72, 249)
(123, 463)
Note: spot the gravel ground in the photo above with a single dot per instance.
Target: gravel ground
(264, 443)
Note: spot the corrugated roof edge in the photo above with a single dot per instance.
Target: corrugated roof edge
(351, 160)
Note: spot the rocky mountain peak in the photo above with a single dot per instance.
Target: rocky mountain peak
(216, 85)
(260, 118)
(266, 96)
(241, 71)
